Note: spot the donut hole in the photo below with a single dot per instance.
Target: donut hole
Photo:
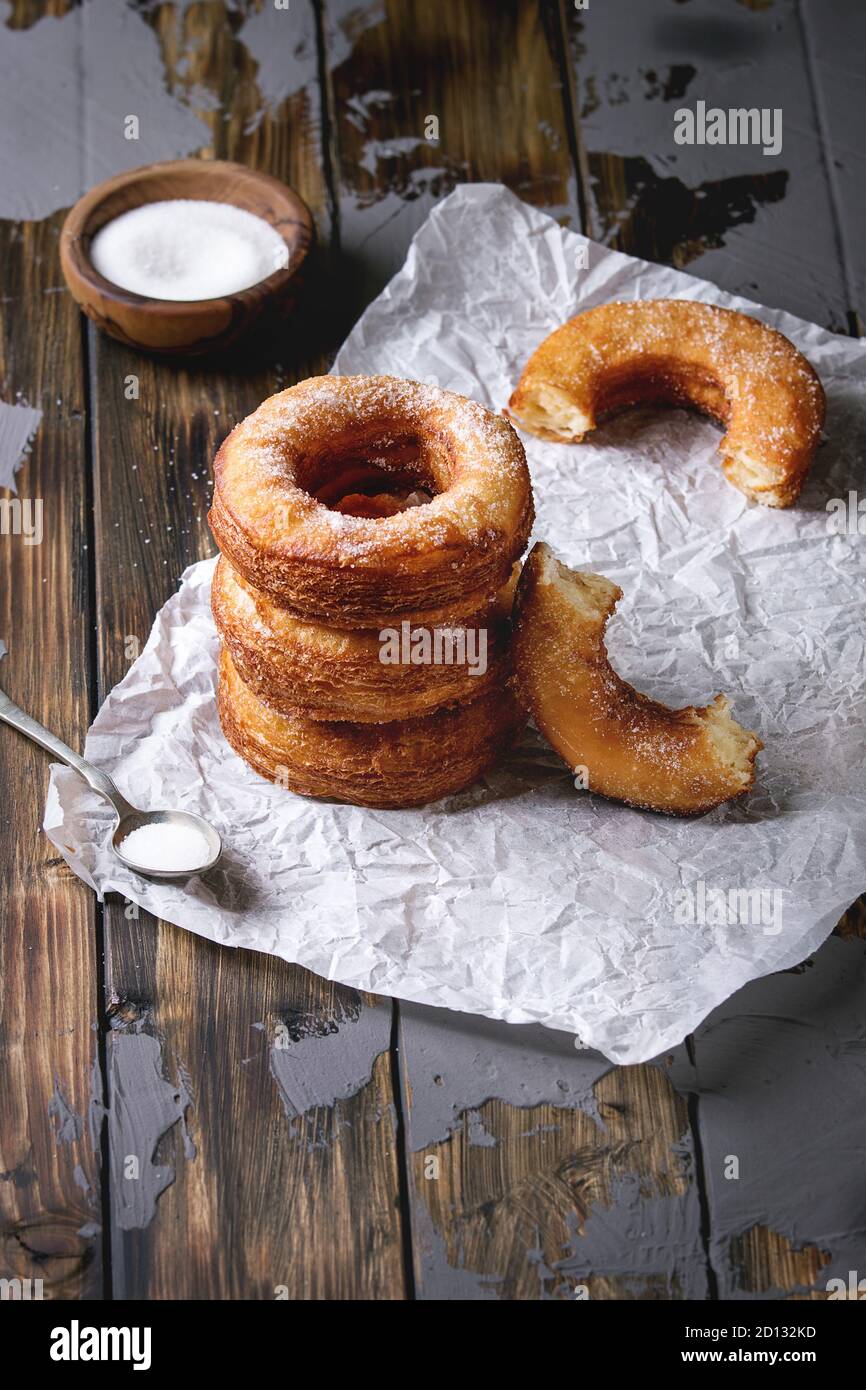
(662, 382)
(380, 479)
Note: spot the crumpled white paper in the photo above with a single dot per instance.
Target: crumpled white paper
(524, 899)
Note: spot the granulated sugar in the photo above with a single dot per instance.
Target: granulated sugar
(166, 846)
(185, 249)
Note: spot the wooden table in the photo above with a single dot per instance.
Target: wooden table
(423, 1154)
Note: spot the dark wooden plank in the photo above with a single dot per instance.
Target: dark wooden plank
(267, 1199)
(853, 924)
(538, 1172)
(774, 237)
(760, 226)
(525, 1162)
(781, 1087)
(49, 1169)
(488, 82)
(835, 36)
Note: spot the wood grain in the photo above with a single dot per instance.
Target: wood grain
(722, 225)
(49, 1170)
(263, 1204)
(196, 328)
(584, 1189)
(757, 225)
(586, 1180)
(485, 77)
(496, 89)
(783, 1192)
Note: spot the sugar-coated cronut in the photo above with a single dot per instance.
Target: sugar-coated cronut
(338, 673)
(442, 559)
(734, 368)
(633, 749)
(406, 762)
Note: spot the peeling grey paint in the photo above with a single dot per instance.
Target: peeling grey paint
(283, 43)
(143, 1107)
(69, 1126)
(640, 1239)
(321, 1069)
(630, 80)
(18, 425)
(19, 1176)
(479, 1137)
(96, 1111)
(344, 24)
(781, 1080)
(454, 1063)
(58, 134)
(81, 1179)
(457, 1062)
(441, 1281)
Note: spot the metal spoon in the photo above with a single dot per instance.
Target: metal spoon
(129, 818)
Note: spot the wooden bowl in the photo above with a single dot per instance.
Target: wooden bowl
(184, 327)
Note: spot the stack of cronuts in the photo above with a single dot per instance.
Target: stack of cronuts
(362, 515)
(369, 529)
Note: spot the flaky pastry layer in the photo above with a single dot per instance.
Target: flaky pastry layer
(337, 674)
(447, 556)
(729, 366)
(624, 745)
(406, 762)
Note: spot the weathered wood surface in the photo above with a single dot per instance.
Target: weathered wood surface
(518, 1165)
(424, 97)
(307, 1204)
(758, 225)
(49, 957)
(834, 36)
(478, 1161)
(542, 1173)
(778, 230)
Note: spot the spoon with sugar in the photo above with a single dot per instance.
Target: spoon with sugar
(156, 844)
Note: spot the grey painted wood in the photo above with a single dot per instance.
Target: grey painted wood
(778, 1051)
(523, 1144)
(50, 1207)
(541, 1172)
(485, 75)
(835, 32)
(519, 1121)
(782, 1095)
(757, 225)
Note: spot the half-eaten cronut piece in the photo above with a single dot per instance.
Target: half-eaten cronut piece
(624, 745)
(746, 376)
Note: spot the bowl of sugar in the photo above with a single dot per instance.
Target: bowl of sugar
(186, 257)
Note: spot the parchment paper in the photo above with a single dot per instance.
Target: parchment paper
(525, 899)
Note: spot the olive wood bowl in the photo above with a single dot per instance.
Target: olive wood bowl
(185, 327)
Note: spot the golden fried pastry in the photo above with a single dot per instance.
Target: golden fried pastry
(626, 746)
(329, 673)
(313, 442)
(405, 763)
(733, 368)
